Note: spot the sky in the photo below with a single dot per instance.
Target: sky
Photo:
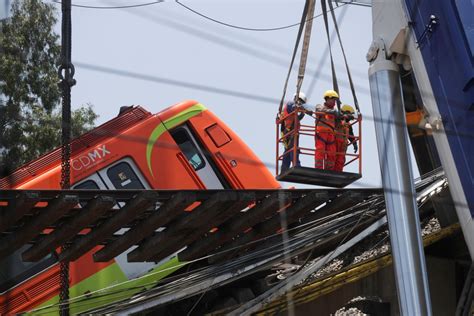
(161, 54)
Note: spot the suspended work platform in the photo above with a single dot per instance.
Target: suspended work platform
(321, 177)
(311, 164)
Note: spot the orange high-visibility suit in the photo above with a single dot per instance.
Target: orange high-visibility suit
(325, 156)
(287, 127)
(344, 135)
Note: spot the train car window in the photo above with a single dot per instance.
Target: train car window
(13, 270)
(123, 177)
(87, 185)
(92, 182)
(188, 148)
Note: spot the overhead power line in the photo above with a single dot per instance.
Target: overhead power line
(250, 28)
(198, 13)
(113, 7)
(167, 81)
(229, 92)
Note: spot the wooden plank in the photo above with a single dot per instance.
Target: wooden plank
(66, 231)
(160, 218)
(202, 215)
(264, 208)
(17, 208)
(134, 208)
(55, 209)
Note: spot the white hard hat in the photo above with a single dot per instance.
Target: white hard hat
(301, 96)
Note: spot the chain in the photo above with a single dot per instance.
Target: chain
(66, 138)
(66, 83)
(65, 184)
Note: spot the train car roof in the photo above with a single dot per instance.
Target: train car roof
(124, 120)
(128, 116)
(176, 109)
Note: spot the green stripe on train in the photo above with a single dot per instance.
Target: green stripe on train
(108, 285)
(168, 124)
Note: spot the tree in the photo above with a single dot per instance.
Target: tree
(30, 118)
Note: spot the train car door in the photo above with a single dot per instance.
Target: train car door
(196, 157)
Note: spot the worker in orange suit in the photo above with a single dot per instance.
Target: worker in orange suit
(288, 127)
(325, 123)
(344, 136)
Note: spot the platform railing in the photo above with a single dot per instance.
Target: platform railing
(301, 132)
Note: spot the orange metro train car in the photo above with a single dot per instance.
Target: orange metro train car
(182, 147)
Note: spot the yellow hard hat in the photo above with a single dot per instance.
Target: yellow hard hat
(331, 94)
(347, 108)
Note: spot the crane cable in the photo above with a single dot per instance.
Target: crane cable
(305, 48)
(351, 83)
(298, 37)
(335, 85)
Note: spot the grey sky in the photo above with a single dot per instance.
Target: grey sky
(150, 49)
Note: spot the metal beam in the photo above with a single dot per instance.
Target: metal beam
(265, 208)
(160, 218)
(162, 242)
(200, 230)
(87, 215)
(402, 212)
(270, 226)
(130, 211)
(21, 205)
(343, 202)
(33, 227)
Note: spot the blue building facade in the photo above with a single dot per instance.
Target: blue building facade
(447, 49)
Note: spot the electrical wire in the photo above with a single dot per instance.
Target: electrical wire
(329, 230)
(240, 261)
(128, 6)
(249, 28)
(235, 93)
(166, 289)
(420, 204)
(351, 225)
(246, 47)
(197, 13)
(263, 253)
(326, 261)
(112, 7)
